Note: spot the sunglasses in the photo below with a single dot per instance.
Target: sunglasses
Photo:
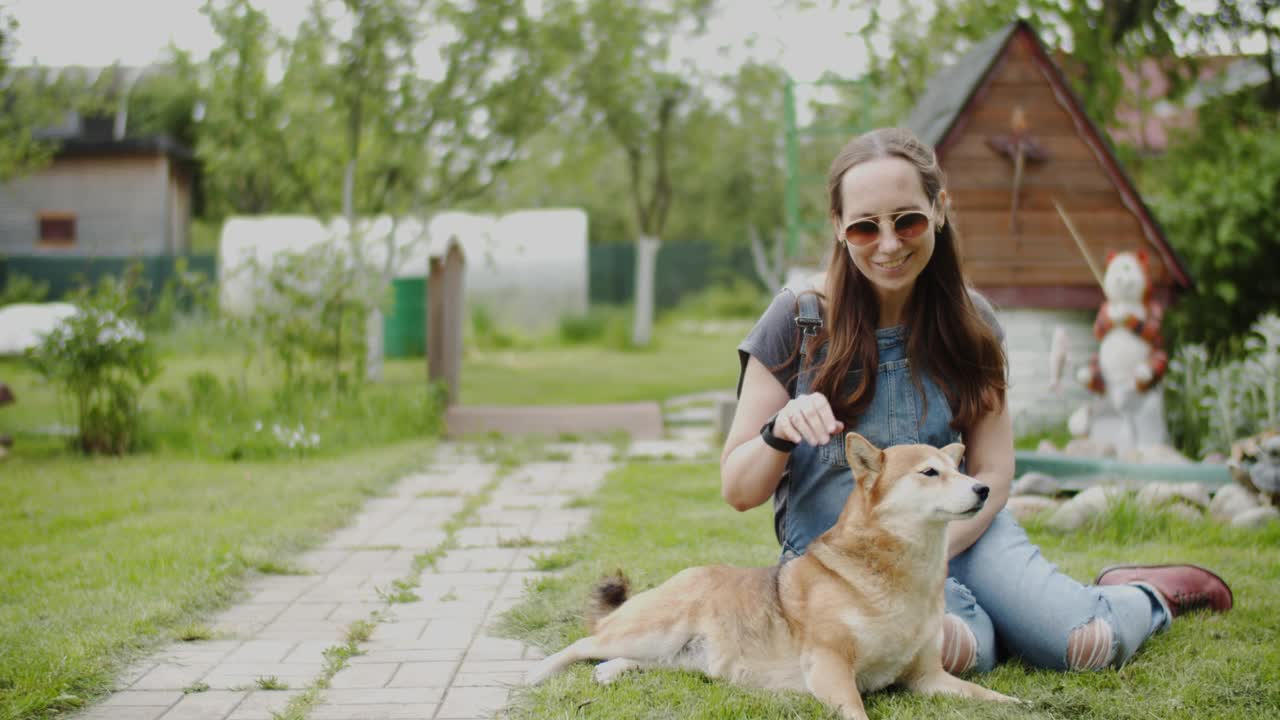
(908, 225)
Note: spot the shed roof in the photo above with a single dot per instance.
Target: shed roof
(937, 119)
(950, 89)
(150, 145)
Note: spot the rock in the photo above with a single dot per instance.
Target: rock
(1047, 447)
(1035, 483)
(1265, 473)
(1156, 454)
(1024, 507)
(1084, 447)
(1258, 455)
(1214, 458)
(1159, 494)
(1083, 507)
(1230, 501)
(1256, 518)
(1185, 511)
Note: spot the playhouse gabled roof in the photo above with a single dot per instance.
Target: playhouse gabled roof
(939, 118)
(951, 88)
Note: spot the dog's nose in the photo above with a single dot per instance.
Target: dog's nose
(982, 490)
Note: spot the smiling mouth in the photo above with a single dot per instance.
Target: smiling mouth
(895, 263)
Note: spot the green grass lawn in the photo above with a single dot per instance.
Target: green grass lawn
(686, 357)
(654, 519)
(103, 558)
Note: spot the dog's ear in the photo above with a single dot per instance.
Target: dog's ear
(955, 450)
(864, 458)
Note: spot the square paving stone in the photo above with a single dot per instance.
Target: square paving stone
(208, 705)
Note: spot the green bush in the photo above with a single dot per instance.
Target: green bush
(485, 332)
(102, 360)
(739, 298)
(1216, 195)
(19, 288)
(606, 325)
(310, 314)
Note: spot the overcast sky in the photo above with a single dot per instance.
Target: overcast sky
(136, 32)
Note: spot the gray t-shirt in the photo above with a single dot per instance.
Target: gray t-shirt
(773, 339)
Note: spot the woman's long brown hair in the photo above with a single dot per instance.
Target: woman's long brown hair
(949, 339)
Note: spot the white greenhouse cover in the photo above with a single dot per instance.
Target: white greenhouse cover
(24, 325)
(528, 268)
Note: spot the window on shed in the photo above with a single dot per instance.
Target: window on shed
(57, 229)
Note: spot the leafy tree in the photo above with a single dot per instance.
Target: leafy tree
(625, 78)
(355, 126)
(27, 103)
(736, 169)
(1099, 39)
(1216, 193)
(249, 167)
(164, 100)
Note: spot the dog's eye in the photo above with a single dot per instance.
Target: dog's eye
(929, 472)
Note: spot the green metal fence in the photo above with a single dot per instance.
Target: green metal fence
(64, 274)
(684, 267)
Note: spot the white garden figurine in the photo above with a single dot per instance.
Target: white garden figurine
(1129, 362)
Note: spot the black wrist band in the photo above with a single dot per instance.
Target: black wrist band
(773, 441)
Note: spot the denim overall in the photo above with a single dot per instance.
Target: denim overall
(1001, 587)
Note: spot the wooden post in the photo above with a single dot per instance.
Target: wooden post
(445, 315)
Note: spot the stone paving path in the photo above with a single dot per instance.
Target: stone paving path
(427, 659)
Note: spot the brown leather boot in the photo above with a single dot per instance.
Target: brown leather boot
(1182, 587)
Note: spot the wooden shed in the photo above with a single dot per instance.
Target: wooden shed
(1007, 98)
(1013, 139)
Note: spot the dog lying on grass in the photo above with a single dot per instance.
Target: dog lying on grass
(861, 610)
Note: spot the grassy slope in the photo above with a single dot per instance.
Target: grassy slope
(655, 519)
(103, 557)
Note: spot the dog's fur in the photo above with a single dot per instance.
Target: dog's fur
(862, 609)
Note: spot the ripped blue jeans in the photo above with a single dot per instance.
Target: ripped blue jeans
(1018, 603)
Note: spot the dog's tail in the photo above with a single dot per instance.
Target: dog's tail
(606, 596)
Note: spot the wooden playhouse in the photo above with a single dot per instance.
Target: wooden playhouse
(1013, 140)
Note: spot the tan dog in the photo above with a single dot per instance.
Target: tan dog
(862, 609)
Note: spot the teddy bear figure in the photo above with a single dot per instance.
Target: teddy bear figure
(1129, 361)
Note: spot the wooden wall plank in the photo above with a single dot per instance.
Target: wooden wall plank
(965, 200)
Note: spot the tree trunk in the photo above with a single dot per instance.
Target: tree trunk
(373, 355)
(771, 274)
(646, 269)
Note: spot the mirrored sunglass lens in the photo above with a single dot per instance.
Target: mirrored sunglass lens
(911, 224)
(862, 232)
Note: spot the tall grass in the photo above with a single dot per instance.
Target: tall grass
(1211, 404)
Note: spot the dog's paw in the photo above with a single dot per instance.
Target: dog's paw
(539, 673)
(607, 672)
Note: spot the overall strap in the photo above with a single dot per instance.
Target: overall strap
(809, 322)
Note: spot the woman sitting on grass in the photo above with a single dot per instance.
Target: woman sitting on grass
(891, 342)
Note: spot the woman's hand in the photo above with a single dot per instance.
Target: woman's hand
(807, 418)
